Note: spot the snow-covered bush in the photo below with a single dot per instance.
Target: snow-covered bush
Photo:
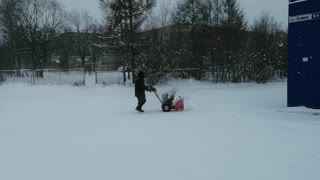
(2, 79)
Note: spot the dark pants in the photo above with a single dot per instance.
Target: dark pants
(141, 100)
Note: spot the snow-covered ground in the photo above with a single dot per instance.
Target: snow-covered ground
(227, 132)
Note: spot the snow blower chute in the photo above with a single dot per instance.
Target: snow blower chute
(169, 103)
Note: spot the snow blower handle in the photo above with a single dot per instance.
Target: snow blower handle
(155, 92)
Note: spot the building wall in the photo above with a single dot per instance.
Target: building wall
(108, 62)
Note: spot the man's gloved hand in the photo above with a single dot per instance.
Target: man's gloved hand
(152, 89)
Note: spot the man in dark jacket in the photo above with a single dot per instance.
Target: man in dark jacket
(140, 89)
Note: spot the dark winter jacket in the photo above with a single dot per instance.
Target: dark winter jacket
(140, 87)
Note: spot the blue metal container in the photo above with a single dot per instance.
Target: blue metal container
(304, 53)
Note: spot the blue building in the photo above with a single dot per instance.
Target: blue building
(304, 53)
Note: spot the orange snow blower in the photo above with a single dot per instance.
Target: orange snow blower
(169, 103)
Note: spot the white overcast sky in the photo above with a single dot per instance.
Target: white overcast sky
(252, 8)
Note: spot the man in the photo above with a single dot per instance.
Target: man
(140, 89)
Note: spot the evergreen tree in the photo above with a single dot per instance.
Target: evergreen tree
(125, 17)
(234, 37)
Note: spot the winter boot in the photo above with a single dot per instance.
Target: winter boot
(139, 109)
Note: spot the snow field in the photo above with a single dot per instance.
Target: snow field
(227, 132)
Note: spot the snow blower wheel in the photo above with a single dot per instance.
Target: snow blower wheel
(166, 107)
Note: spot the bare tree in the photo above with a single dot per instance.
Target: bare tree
(215, 44)
(192, 12)
(156, 55)
(31, 26)
(267, 44)
(81, 30)
(10, 18)
(192, 20)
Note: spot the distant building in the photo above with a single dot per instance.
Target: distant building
(66, 57)
(108, 62)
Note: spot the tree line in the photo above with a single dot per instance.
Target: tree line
(187, 38)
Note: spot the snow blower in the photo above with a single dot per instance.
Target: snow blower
(169, 103)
